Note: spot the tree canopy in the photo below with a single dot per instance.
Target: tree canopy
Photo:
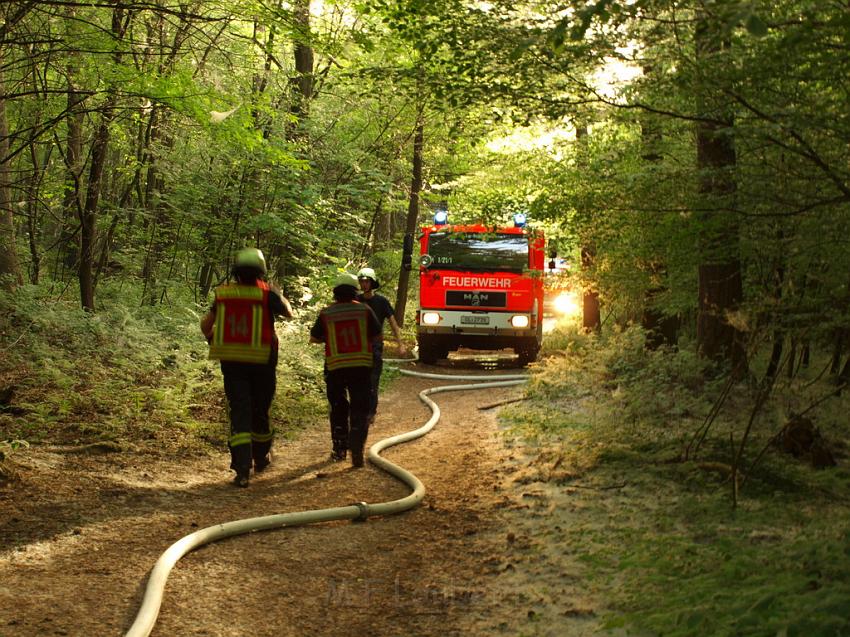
(696, 149)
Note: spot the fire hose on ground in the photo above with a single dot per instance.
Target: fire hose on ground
(149, 610)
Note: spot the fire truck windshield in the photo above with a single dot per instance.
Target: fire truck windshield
(478, 251)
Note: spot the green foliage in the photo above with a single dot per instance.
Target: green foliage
(9, 447)
(749, 575)
(131, 375)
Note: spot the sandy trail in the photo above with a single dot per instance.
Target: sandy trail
(80, 532)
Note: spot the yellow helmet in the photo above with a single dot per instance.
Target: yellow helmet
(250, 258)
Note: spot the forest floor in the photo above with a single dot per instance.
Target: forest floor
(81, 528)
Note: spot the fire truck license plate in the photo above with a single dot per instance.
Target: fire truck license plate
(475, 320)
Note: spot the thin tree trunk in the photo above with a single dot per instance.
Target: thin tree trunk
(779, 334)
(106, 245)
(837, 350)
(844, 376)
(155, 205)
(792, 359)
(412, 213)
(39, 167)
(591, 317)
(303, 80)
(100, 146)
(72, 206)
(88, 215)
(33, 226)
(10, 268)
(660, 328)
(372, 233)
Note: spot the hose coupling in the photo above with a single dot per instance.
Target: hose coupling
(363, 508)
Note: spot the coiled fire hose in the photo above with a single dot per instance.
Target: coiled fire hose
(149, 610)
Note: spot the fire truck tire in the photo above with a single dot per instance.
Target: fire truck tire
(527, 354)
(427, 356)
(429, 352)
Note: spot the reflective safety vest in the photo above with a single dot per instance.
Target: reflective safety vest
(347, 341)
(243, 331)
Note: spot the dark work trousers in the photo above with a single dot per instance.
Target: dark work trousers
(348, 395)
(250, 389)
(377, 368)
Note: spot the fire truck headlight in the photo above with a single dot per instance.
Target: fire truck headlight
(430, 318)
(520, 320)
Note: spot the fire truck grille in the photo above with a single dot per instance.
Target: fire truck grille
(476, 299)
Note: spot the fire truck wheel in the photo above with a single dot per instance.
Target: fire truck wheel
(429, 357)
(429, 354)
(526, 355)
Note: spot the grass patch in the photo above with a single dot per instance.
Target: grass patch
(668, 552)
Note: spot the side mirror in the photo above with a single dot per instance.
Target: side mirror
(407, 252)
(425, 260)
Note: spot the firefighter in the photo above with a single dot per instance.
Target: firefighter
(348, 330)
(383, 310)
(240, 330)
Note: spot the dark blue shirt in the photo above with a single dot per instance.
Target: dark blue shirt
(380, 306)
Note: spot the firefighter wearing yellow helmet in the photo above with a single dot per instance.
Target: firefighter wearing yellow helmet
(348, 329)
(383, 310)
(240, 330)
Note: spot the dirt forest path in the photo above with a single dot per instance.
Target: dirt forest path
(79, 533)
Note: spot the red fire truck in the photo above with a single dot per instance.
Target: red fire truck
(480, 287)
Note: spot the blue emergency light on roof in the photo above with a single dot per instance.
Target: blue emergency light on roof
(519, 220)
(441, 217)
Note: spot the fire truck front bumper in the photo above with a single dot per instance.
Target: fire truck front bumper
(446, 322)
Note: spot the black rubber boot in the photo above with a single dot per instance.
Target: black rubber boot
(261, 464)
(241, 479)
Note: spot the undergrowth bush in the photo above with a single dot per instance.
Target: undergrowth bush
(135, 375)
(627, 393)
(669, 552)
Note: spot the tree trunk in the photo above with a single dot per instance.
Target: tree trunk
(837, 350)
(72, 202)
(412, 214)
(106, 246)
(591, 319)
(371, 239)
(100, 146)
(844, 376)
(720, 291)
(719, 273)
(39, 167)
(779, 334)
(88, 215)
(303, 81)
(205, 281)
(10, 268)
(383, 228)
(660, 329)
(155, 205)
